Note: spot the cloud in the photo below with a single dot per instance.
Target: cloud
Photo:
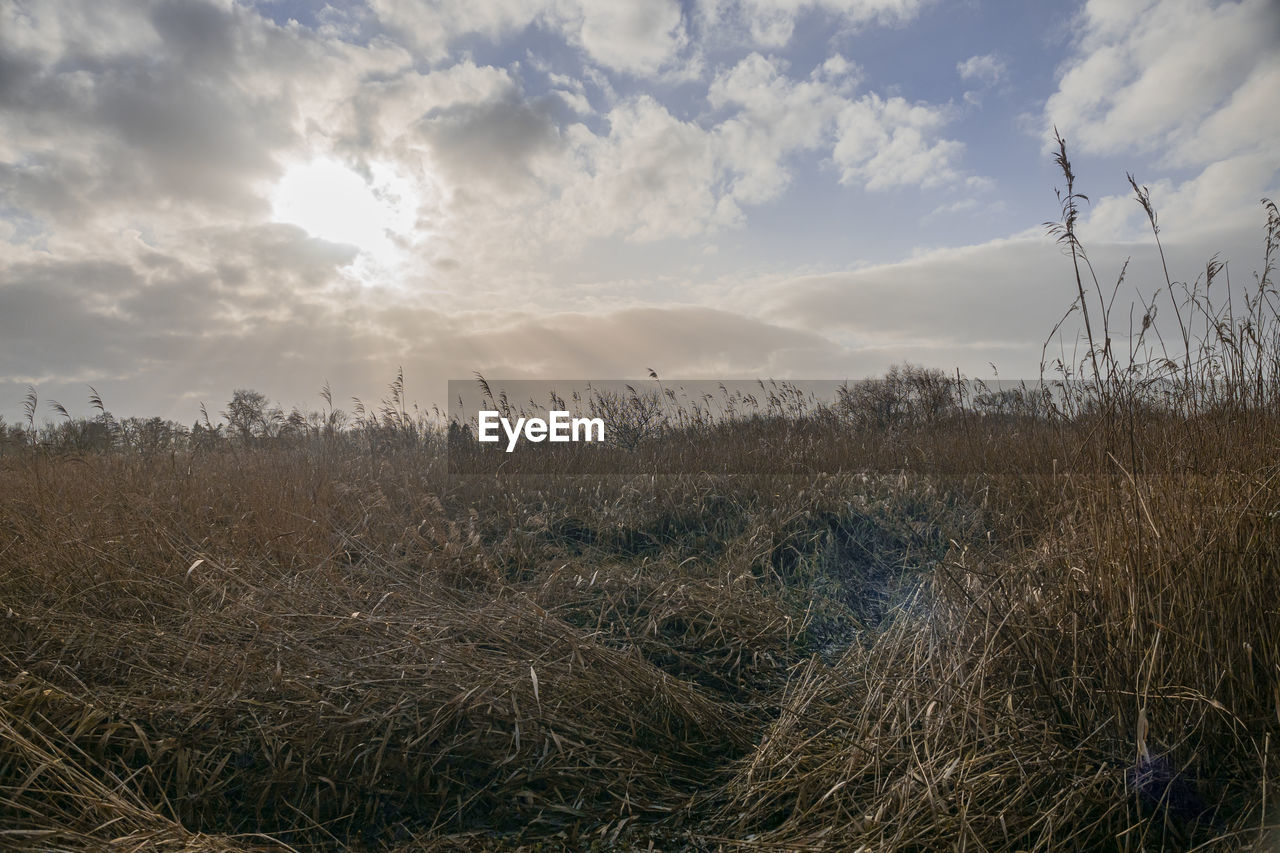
(636, 37)
(653, 176)
(181, 133)
(137, 314)
(951, 296)
(491, 144)
(883, 144)
(771, 23)
(430, 28)
(385, 110)
(1186, 79)
(216, 308)
(181, 122)
(1223, 196)
(674, 340)
(966, 207)
(198, 118)
(1189, 83)
(777, 116)
(639, 38)
(122, 326)
(987, 69)
(996, 301)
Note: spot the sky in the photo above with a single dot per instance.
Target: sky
(206, 195)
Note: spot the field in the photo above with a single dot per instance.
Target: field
(984, 622)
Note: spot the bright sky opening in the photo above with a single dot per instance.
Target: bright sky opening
(334, 203)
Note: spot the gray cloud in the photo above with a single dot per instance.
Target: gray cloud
(492, 143)
(177, 316)
(204, 34)
(999, 301)
(101, 127)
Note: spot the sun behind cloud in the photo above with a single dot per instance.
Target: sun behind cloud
(335, 203)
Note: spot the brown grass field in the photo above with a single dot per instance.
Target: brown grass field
(953, 626)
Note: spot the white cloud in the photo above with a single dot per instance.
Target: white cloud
(637, 36)
(892, 143)
(987, 69)
(1154, 76)
(383, 111)
(969, 206)
(650, 176)
(1187, 83)
(634, 36)
(654, 176)
(431, 27)
(777, 116)
(575, 101)
(1247, 121)
(771, 23)
(1223, 197)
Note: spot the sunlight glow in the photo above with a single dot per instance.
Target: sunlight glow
(334, 203)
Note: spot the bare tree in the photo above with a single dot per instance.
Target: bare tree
(247, 413)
